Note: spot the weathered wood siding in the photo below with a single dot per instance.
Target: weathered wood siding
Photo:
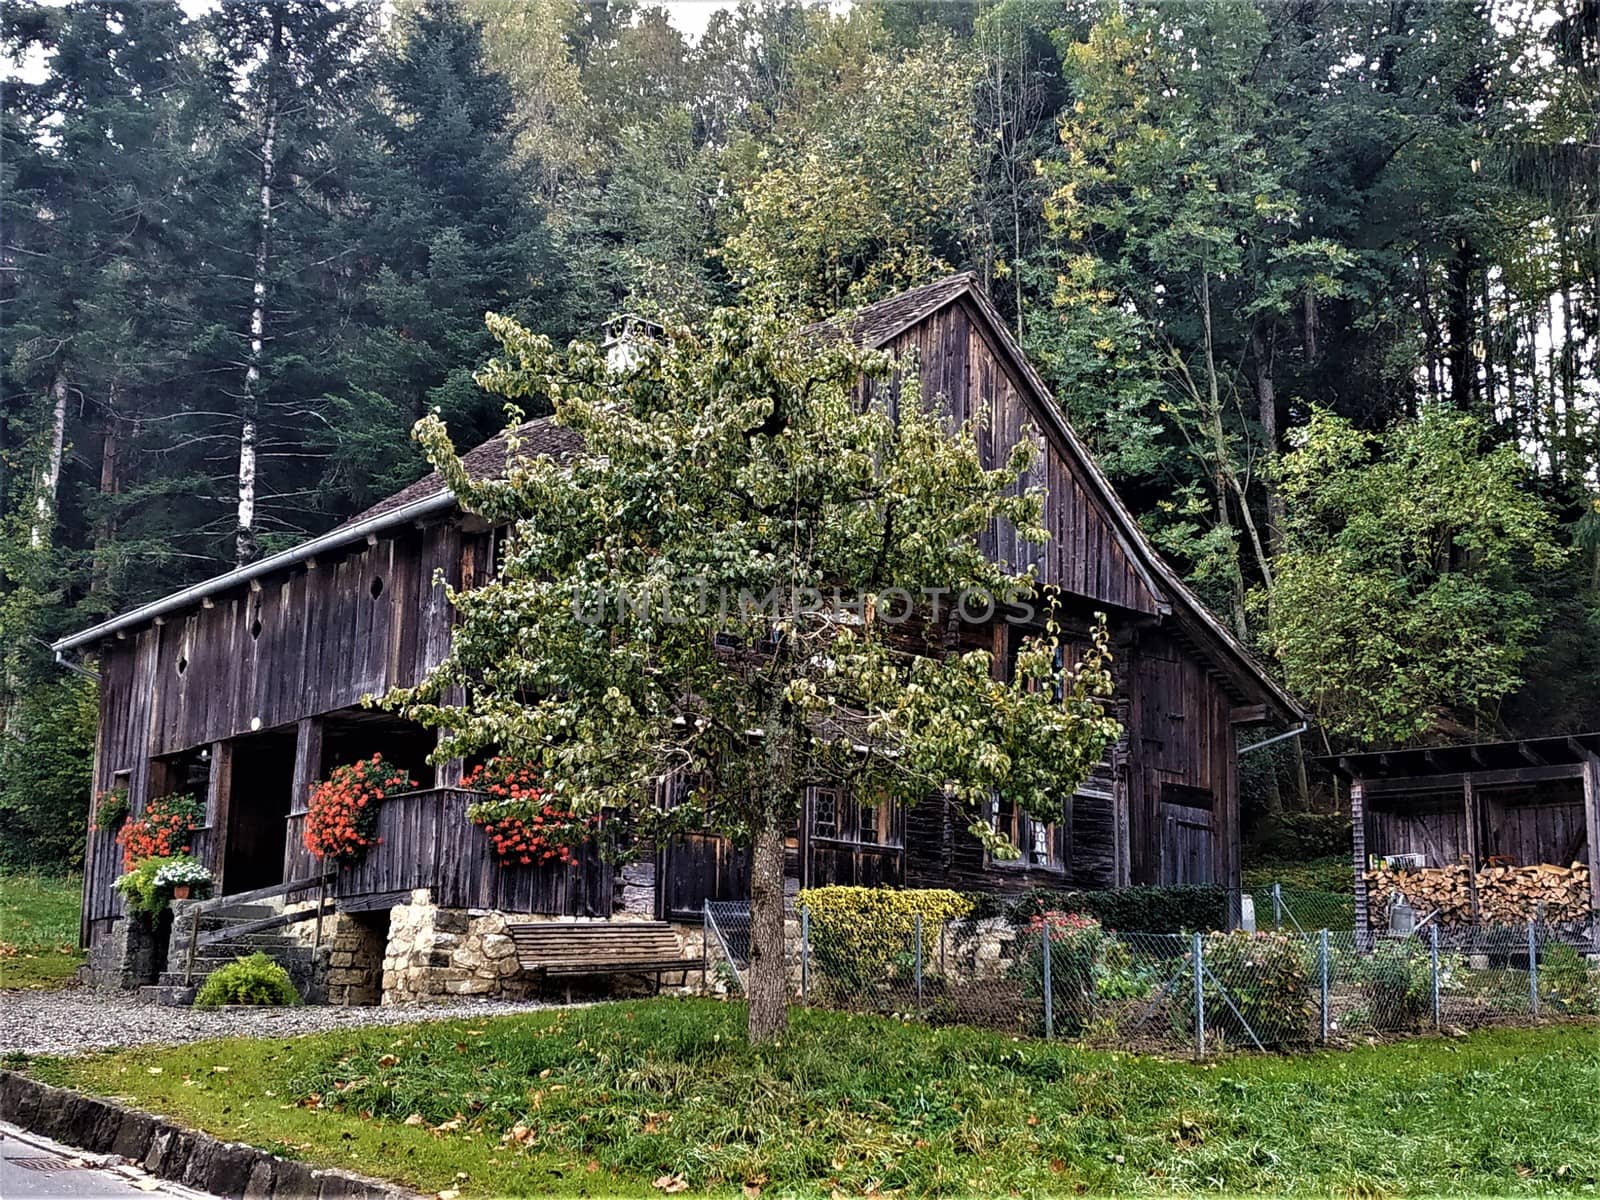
(959, 367)
(1545, 826)
(1180, 753)
(310, 641)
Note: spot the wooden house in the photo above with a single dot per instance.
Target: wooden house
(245, 689)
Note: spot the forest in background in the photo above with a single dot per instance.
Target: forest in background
(1318, 280)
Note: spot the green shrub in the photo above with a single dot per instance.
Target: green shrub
(1330, 874)
(1568, 983)
(1397, 981)
(1267, 978)
(861, 937)
(1170, 909)
(255, 980)
(1077, 944)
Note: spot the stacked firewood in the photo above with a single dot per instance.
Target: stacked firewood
(1506, 895)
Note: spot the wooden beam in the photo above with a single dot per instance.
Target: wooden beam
(1532, 755)
(1470, 802)
(219, 796)
(1591, 820)
(307, 761)
(1450, 781)
(1248, 714)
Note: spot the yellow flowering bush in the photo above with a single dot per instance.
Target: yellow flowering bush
(863, 936)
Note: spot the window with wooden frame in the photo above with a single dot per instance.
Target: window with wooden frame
(825, 812)
(1037, 840)
(838, 815)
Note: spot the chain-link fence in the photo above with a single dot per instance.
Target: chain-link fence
(1063, 975)
(1301, 910)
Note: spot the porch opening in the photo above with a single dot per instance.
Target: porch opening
(261, 783)
(353, 734)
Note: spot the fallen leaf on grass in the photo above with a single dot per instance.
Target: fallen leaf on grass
(415, 1119)
(449, 1194)
(591, 1166)
(751, 1191)
(389, 1060)
(671, 1183)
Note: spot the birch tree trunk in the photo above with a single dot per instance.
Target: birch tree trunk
(768, 981)
(44, 505)
(246, 547)
(110, 485)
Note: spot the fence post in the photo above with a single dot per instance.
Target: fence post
(1277, 906)
(1198, 954)
(1324, 940)
(919, 965)
(705, 944)
(805, 954)
(1433, 955)
(1533, 970)
(1049, 991)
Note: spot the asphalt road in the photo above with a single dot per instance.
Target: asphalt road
(32, 1166)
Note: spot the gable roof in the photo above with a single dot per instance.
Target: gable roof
(877, 324)
(873, 325)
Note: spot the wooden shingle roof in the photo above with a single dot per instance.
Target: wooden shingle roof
(540, 436)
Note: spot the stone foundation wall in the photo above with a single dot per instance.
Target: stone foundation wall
(356, 952)
(124, 957)
(436, 952)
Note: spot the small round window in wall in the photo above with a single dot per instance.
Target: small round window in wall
(377, 586)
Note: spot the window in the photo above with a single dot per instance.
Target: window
(837, 815)
(1037, 840)
(825, 813)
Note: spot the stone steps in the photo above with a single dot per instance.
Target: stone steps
(179, 983)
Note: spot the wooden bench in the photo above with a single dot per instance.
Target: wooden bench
(648, 949)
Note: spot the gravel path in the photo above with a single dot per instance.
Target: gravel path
(73, 1020)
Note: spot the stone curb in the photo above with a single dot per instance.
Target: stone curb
(170, 1151)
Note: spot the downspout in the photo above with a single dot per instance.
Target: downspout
(1282, 737)
(76, 668)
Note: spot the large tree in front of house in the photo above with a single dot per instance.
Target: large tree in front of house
(716, 587)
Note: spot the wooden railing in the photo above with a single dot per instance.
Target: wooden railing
(321, 882)
(426, 841)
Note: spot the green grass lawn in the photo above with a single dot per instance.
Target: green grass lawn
(625, 1098)
(39, 930)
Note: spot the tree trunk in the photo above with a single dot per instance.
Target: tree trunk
(768, 980)
(1262, 349)
(245, 545)
(1459, 328)
(110, 485)
(44, 506)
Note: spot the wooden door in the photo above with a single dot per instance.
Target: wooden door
(1188, 844)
